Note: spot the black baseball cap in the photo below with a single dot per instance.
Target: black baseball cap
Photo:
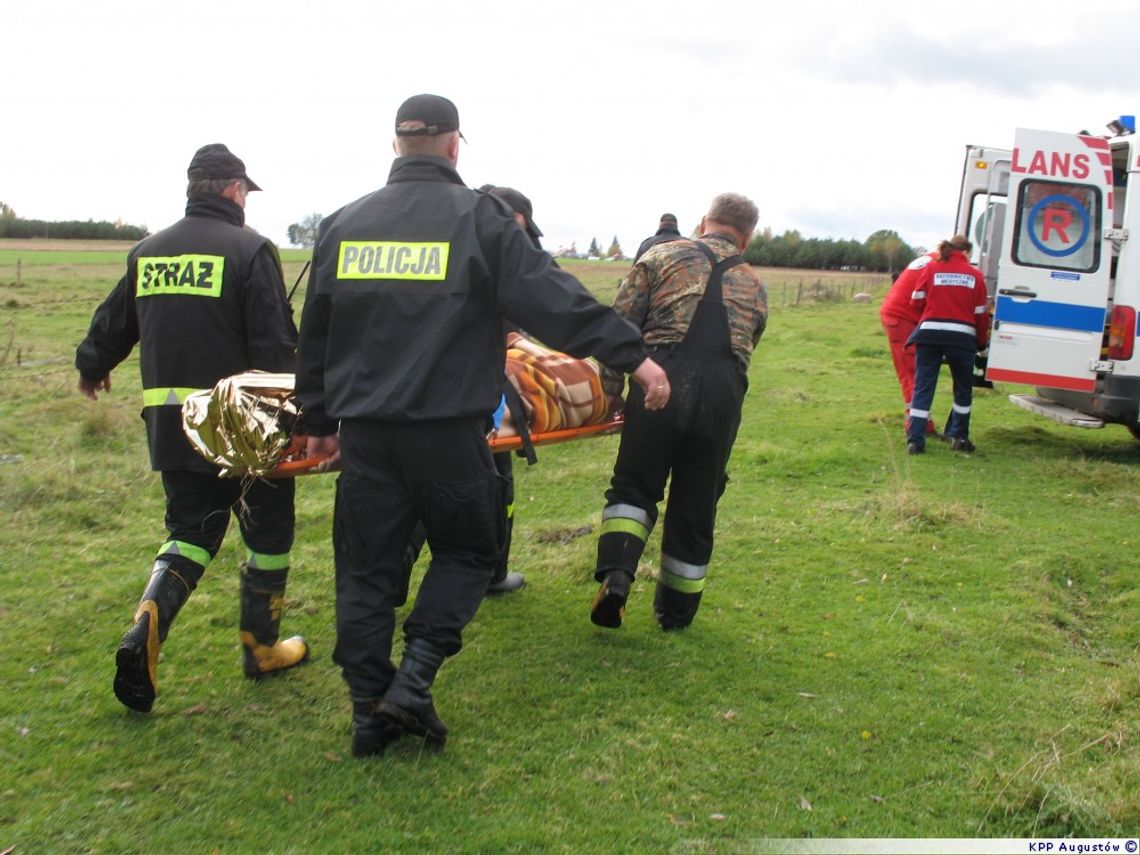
(437, 113)
(520, 204)
(216, 161)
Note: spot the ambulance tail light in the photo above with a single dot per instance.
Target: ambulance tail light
(1121, 332)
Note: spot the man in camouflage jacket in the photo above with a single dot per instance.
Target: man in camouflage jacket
(701, 310)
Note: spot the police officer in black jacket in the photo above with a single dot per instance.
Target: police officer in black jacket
(402, 346)
(203, 299)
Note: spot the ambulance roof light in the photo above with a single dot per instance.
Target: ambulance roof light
(1123, 125)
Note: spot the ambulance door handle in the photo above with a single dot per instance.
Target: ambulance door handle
(1016, 292)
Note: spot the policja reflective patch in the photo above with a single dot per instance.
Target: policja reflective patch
(192, 275)
(384, 259)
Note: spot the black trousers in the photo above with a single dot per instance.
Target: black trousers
(198, 507)
(690, 440)
(393, 476)
(505, 467)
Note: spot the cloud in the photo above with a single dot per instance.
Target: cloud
(1086, 53)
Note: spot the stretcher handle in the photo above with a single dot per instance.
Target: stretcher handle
(301, 466)
(308, 465)
(509, 443)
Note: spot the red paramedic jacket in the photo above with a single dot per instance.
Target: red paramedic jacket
(951, 297)
(897, 303)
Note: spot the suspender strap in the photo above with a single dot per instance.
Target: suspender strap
(518, 416)
(713, 287)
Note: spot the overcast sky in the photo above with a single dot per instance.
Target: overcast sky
(836, 118)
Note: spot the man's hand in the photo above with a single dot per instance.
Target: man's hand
(654, 383)
(324, 446)
(92, 388)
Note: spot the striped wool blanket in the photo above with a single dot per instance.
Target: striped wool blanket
(557, 391)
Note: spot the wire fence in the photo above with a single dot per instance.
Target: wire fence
(805, 291)
(19, 357)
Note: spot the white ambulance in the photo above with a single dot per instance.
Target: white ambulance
(1050, 222)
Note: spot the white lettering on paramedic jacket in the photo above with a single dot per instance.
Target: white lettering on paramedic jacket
(959, 280)
(386, 259)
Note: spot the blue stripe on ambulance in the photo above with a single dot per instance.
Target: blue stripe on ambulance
(1042, 313)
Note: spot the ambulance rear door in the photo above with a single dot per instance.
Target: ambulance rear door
(1052, 299)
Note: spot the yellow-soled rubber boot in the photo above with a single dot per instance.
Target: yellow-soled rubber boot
(262, 601)
(136, 660)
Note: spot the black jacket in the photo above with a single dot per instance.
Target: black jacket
(204, 299)
(409, 286)
(662, 235)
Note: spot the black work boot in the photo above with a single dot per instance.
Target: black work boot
(609, 604)
(262, 601)
(408, 702)
(675, 609)
(509, 582)
(172, 578)
(371, 732)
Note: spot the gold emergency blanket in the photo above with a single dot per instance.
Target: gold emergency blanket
(244, 424)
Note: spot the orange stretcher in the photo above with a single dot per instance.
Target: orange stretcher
(294, 462)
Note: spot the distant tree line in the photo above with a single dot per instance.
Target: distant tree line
(884, 251)
(12, 226)
(305, 232)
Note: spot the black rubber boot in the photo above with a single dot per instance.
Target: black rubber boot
(262, 601)
(172, 579)
(618, 555)
(371, 732)
(408, 702)
(618, 550)
(675, 609)
(609, 604)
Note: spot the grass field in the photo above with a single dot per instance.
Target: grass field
(889, 646)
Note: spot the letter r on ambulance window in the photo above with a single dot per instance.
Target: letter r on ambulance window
(1058, 226)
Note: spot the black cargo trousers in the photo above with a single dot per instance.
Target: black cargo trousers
(394, 475)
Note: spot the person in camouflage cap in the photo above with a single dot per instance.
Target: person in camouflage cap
(701, 311)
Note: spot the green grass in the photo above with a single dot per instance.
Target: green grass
(888, 646)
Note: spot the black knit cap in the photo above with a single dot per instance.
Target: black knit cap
(216, 161)
(438, 115)
(520, 204)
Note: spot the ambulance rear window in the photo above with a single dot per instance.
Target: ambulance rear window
(1058, 226)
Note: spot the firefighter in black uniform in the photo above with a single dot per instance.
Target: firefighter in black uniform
(203, 299)
(402, 345)
(702, 310)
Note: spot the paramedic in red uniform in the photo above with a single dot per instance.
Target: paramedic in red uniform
(402, 350)
(219, 309)
(950, 295)
(899, 317)
(701, 310)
